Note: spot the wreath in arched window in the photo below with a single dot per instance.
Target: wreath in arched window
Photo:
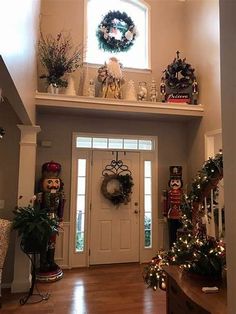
(116, 32)
(117, 183)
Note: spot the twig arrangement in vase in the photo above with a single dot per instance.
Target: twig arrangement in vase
(58, 56)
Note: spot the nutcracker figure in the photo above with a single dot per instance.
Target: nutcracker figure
(51, 197)
(172, 202)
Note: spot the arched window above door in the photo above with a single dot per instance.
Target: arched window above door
(138, 56)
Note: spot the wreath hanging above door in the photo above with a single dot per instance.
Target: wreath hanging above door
(117, 183)
(116, 32)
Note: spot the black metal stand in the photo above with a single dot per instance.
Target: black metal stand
(39, 296)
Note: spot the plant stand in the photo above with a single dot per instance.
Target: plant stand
(39, 296)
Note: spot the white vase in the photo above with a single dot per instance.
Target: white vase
(53, 89)
(70, 90)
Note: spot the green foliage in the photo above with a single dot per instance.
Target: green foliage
(58, 57)
(34, 225)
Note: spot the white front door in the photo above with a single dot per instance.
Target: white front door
(114, 236)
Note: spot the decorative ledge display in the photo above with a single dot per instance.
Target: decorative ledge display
(117, 105)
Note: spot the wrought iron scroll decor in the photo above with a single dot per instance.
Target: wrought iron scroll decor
(119, 172)
(116, 167)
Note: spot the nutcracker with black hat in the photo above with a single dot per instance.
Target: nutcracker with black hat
(51, 197)
(172, 202)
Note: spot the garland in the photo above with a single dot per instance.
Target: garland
(179, 74)
(122, 195)
(116, 32)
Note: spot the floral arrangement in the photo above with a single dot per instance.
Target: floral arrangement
(116, 32)
(58, 57)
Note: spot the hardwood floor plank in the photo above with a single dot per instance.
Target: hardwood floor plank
(117, 288)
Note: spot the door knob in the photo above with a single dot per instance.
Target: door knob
(136, 211)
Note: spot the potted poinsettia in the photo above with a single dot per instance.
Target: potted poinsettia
(35, 227)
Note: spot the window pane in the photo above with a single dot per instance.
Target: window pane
(147, 169)
(81, 185)
(99, 142)
(115, 143)
(145, 145)
(147, 238)
(84, 142)
(80, 203)
(147, 186)
(82, 167)
(80, 221)
(148, 203)
(130, 144)
(80, 241)
(138, 13)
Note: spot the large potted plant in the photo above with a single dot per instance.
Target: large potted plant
(35, 227)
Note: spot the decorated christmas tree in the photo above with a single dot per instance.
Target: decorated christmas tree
(194, 251)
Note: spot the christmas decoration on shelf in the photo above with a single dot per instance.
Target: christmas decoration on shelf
(153, 91)
(117, 183)
(58, 57)
(116, 32)
(181, 83)
(194, 251)
(91, 88)
(111, 77)
(130, 91)
(142, 91)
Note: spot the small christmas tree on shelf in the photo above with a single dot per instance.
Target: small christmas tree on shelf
(193, 251)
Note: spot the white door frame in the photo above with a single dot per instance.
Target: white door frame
(81, 259)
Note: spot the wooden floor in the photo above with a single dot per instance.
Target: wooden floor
(98, 289)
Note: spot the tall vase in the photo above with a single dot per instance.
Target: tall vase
(70, 90)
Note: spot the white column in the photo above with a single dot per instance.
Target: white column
(26, 181)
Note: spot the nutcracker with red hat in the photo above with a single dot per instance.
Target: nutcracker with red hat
(51, 197)
(172, 202)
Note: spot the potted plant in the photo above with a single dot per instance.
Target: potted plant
(35, 226)
(58, 57)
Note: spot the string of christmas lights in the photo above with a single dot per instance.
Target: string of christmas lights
(193, 251)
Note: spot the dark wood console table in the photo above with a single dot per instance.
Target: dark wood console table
(184, 294)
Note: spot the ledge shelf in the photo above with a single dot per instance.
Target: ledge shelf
(68, 103)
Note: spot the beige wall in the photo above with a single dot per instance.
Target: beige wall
(202, 45)
(58, 129)
(9, 160)
(18, 33)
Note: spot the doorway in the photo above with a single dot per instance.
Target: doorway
(114, 232)
(103, 233)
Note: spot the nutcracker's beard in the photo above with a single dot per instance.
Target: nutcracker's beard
(114, 69)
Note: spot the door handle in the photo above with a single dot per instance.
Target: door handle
(136, 211)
